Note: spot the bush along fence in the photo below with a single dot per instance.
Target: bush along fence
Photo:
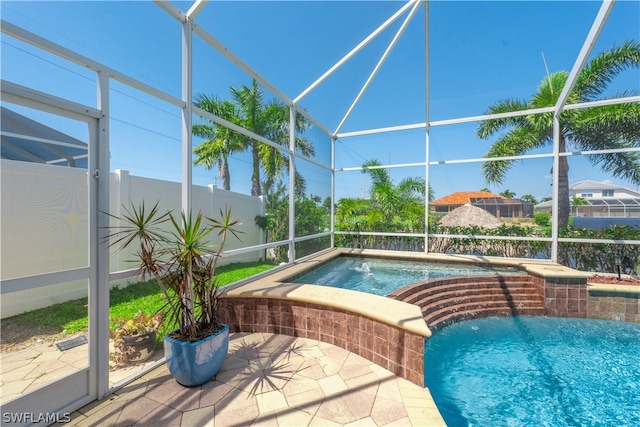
(596, 257)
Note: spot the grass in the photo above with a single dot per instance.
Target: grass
(71, 317)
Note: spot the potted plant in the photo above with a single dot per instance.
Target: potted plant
(178, 255)
(134, 339)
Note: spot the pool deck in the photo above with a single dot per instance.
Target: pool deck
(271, 380)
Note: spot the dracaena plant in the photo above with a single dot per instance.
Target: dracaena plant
(177, 253)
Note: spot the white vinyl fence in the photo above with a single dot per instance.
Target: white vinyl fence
(44, 225)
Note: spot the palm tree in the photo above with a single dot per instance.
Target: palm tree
(404, 200)
(248, 110)
(578, 201)
(529, 198)
(596, 128)
(221, 141)
(508, 194)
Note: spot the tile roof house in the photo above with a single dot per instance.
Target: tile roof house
(496, 205)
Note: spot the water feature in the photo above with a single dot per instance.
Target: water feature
(536, 371)
(382, 276)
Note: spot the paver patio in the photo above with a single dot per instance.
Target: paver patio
(271, 380)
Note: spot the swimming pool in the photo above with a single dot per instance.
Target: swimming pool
(536, 371)
(381, 276)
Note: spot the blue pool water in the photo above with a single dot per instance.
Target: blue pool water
(382, 276)
(536, 371)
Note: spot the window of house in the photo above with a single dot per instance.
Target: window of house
(607, 193)
(584, 195)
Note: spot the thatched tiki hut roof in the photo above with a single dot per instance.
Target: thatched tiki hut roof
(467, 215)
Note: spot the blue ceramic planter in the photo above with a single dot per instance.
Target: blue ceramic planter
(195, 363)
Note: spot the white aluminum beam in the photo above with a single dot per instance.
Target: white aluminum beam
(99, 150)
(44, 140)
(243, 131)
(602, 102)
(255, 248)
(447, 122)
(620, 242)
(171, 9)
(333, 191)
(609, 151)
(379, 233)
(310, 237)
(427, 130)
(292, 184)
(492, 116)
(382, 60)
(485, 237)
(24, 153)
(355, 50)
(360, 168)
(555, 189)
(470, 119)
(69, 55)
(217, 45)
(45, 279)
(590, 41)
(487, 159)
(22, 95)
(313, 161)
(313, 120)
(382, 130)
(47, 45)
(187, 117)
(196, 8)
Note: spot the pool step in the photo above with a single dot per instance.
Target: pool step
(448, 300)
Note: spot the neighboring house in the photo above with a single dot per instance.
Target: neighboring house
(600, 199)
(26, 140)
(496, 205)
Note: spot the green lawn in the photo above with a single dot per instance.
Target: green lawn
(71, 317)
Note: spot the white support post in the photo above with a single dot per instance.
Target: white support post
(292, 183)
(555, 183)
(99, 291)
(187, 98)
(333, 191)
(427, 126)
(590, 41)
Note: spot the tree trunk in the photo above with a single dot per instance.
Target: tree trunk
(225, 176)
(564, 205)
(255, 176)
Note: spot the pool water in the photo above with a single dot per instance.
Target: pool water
(536, 371)
(382, 276)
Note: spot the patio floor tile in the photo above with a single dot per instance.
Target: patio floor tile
(267, 380)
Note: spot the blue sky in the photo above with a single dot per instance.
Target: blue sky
(480, 52)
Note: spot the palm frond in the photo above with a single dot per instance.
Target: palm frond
(514, 143)
(379, 176)
(489, 127)
(602, 69)
(610, 126)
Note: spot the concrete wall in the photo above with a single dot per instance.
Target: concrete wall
(44, 224)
